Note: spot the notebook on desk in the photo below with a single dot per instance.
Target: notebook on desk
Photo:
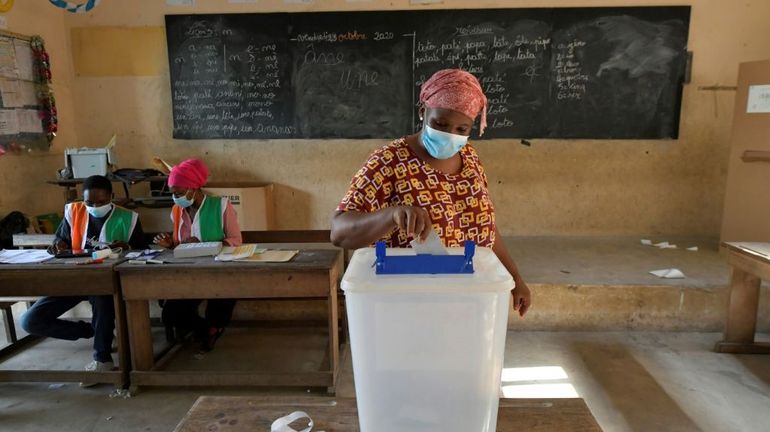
(193, 250)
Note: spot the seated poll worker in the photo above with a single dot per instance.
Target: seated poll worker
(431, 180)
(198, 217)
(96, 218)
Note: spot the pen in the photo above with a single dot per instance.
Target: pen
(91, 261)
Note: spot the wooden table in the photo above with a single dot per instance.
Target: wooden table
(313, 273)
(749, 268)
(256, 413)
(54, 278)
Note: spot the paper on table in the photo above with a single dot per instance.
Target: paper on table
(28, 256)
(647, 242)
(693, 249)
(180, 2)
(29, 121)
(669, 273)
(272, 256)
(431, 246)
(24, 59)
(233, 253)
(9, 122)
(757, 247)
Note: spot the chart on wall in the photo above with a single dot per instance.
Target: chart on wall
(602, 73)
(28, 119)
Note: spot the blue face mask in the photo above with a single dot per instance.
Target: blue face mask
(183, 201)
(441, 145)
(99, 212)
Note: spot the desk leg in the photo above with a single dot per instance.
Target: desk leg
(138, 319)
(124, 352)
(741, 315)
(334, 334)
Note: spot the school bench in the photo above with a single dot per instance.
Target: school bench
(22, 282)
(312, 274)
(749, 269)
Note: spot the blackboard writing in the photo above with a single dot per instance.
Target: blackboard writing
(554, 73)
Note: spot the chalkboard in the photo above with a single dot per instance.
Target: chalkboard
(603, 73)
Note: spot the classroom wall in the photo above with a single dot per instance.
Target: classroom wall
(22, 178)
(555, 187)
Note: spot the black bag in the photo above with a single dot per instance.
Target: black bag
(14, 223)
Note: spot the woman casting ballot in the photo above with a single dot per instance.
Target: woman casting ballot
(198, 217)
(431, 180)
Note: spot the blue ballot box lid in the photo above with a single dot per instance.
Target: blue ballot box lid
(424, 263)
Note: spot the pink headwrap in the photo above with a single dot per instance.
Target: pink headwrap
(457, 90)
(190, 174)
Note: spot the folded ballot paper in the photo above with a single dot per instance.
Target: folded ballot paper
(671, 273)
(430, 246)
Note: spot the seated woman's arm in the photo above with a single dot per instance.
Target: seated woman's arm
(233, 235)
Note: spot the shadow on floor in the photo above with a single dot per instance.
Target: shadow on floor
(632, 390)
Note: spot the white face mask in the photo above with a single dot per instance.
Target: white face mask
(183, 201)
(99, 212)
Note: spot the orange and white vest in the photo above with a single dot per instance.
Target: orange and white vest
(117, 228)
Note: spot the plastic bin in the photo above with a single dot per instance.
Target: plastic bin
(427, 349)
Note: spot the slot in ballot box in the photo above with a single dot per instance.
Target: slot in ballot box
(427, 345)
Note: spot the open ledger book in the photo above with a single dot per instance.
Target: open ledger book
(251, 253)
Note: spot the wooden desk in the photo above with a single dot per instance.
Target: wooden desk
(749, 268)
(313, 273)
(256, 413)
(56, 279)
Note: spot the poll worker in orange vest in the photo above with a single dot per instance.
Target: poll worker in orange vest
(198, 217)
(95, 218)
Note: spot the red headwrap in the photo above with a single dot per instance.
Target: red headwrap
(190, 174)
(457, 90)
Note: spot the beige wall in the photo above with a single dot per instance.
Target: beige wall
(553, 187)
(22, 178)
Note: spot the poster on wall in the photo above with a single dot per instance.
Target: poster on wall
(759, 99)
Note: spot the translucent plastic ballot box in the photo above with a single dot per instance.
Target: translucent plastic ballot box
(427, 337)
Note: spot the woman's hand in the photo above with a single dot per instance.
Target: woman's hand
(164, 240)
(122, 245)
(415, 221)
(522, 298)
(192, 240)
(58, 246)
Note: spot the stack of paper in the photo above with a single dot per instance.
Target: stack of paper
(272, 256)
(30, 256)
(234, 253)
(194, 250)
